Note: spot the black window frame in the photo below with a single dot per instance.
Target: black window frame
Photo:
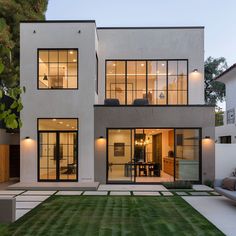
(167, 79)
(96, 82)
(200, 169)
(58, 49)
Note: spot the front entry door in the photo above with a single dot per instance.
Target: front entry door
(58, 156)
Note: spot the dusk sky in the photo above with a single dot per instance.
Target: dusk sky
(218, 17)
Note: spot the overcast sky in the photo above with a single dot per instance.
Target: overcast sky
(218, 17)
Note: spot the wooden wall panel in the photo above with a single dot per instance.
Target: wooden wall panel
(4, 163)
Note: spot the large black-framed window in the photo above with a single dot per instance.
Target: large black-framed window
(57, 149)
(162, 82)
(58, 68)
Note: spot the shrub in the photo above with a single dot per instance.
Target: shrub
(178, 185)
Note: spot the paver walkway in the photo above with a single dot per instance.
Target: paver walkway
(27, 200)
(218, 210)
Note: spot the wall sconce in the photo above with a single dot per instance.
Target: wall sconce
(207, 137)
(101, 137)
(27, 137)
(195, 70)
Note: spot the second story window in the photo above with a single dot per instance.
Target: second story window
(162, 82)
(58, 68)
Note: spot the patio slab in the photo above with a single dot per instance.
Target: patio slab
(26, 205)
(120, 193)
(37, 193)
(136, 193)
(201, 187)
(10, 192)
(131, 187)
(95, 193)
(31, 198)
(167, 194)
(182, 193)
(199, 193)
(21, 212)
(217, 209)
(69, 193)
(54, 186)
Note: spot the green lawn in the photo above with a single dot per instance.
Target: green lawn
(112, 215)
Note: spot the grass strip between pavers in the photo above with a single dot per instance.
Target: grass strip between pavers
(111, 215)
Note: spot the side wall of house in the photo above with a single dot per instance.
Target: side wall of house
(57, 103)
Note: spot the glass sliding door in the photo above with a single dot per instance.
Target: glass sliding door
(120, 165)
(58, 150)
(187, 158)
(153, 155)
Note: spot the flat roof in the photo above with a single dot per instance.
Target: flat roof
(153, 27)
(226, 71)
(58, 21)
(107, 28)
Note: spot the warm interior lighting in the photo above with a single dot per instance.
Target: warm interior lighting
(71, 52)
(67, 125)
(142, 65)
(74, 60)
(54, 119)
(61, 122)
(195, 70)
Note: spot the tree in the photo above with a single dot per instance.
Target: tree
(214, 90)
(11, 13)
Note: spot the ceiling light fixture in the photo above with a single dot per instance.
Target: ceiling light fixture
(71, 52)
(142, 65)
(61, 122)
(54, 119)
(45, 77)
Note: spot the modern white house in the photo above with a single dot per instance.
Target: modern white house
(226, 133)
(114, 105)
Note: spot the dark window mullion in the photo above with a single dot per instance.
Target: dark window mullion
(126, 86)
(167, 82)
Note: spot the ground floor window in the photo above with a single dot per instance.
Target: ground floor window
(57, 149)
(225, 139)
(153, 155)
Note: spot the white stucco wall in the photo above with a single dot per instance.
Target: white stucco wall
(57, 103)
(229, 79)
(225, 160)
(159, 43)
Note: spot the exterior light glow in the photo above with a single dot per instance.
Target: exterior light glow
(54, 119)
(27, 137)
(207, 137)
(195, 70)
(71, 52)
(100, 137)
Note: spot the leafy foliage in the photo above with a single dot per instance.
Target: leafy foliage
(11, 13)
(214, 90)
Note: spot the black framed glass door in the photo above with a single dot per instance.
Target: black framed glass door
(58, 159)
(153, 155)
